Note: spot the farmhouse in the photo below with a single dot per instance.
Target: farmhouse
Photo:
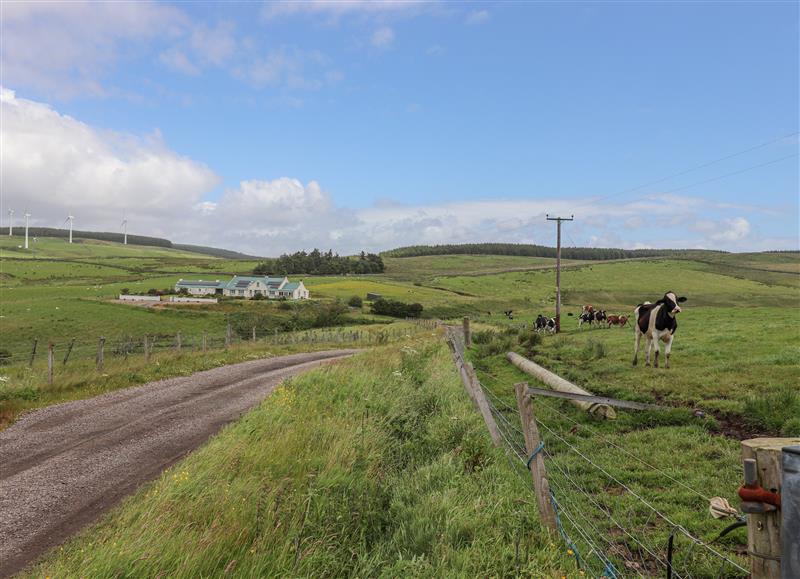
(247, 287)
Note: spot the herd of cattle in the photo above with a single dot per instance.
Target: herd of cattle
(653, 321)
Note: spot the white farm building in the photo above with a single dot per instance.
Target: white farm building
(246, 287)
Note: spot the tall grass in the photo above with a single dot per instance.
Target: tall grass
(375, 466)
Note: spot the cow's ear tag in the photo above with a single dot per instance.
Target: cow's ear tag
(681, 299)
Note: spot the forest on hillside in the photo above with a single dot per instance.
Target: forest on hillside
(527, 250)
(317, 262)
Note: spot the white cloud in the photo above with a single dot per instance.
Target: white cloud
(292, 68)
(202, 46)
(65, 48)
(336, 9)
(477, 17)
(53, 162)
(383, 37)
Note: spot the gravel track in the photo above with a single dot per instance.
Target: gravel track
(63, 466)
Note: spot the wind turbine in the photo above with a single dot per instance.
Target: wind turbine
(124, 229)
(27, 215)
(10, 222)
(70, 218)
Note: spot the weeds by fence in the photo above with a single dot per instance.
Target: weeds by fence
(606, 517)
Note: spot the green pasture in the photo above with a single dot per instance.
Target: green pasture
(427, 267)
(53, 247)
(619, 286)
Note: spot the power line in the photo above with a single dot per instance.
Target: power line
(696, 168)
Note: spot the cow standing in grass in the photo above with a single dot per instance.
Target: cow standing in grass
(657, 322)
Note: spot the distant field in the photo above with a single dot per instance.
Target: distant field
(424, 268)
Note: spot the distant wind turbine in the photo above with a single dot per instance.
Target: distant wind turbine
(27, 216)
(10, 222)
(124, 229)
(70, 218)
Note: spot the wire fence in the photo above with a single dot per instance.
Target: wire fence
(610, 520)
(101, 349)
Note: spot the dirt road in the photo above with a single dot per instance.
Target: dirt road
(63, 466)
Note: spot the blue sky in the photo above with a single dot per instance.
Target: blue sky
(271, 127)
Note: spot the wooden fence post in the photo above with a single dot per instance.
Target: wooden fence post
(535, 463)
(762, 462)
(467, 334)
(178, 342)
(146, 349)
(483, 405)
(101, 343)
(50, 360)
(205, 342)
(69, 351)
(254, 333)
(228, 335)
(33, 352)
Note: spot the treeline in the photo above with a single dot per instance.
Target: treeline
(317, 262)
(99, 235)
(213, 251)
(528, 250)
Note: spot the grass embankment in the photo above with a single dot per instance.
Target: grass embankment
(23, 388)
(374, 466)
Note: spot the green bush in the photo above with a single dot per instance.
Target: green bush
(355, 302)
(5, 357)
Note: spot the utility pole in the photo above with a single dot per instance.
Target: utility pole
(558, 220)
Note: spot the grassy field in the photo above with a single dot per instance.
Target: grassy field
(376, 466)
(366, 483)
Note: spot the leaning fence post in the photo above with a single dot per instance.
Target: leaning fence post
(467, 334)
(483, 405)
(50, 357)
(101, 343)
(533, 447)
(761, 502)
(69, 351)
(33, 352)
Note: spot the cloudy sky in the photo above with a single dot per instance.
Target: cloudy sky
(272, 127)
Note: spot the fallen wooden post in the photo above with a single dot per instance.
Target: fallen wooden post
(595, 399)
(558, 383)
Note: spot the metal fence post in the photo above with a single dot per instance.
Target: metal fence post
(790, 531)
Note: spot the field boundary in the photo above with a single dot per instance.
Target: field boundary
(642, 542)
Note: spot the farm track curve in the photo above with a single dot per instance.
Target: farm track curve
(63, 466)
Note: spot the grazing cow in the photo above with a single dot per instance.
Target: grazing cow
(541, 323)
(617, 321)
(586, 317)
(600, 316)
(657, 322)
(509, 314)
(544, 324)
(588, 308)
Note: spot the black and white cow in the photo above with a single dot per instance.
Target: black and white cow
(586, 317)
(657, 322)
(544, 324)
(600, 317)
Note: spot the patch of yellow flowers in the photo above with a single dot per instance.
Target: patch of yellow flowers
(283, 397)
